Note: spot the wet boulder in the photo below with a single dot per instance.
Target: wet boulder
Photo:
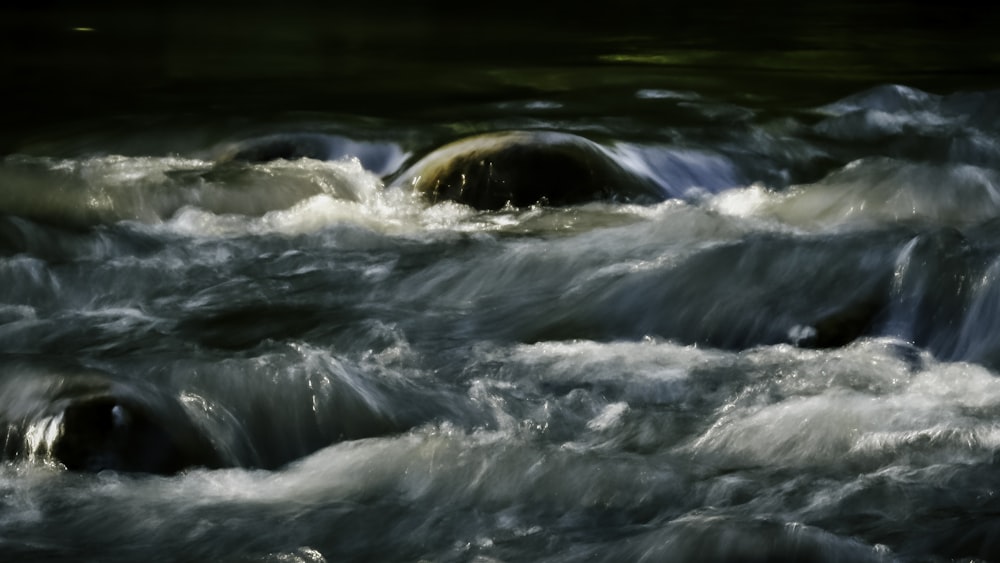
(933, 288)
(524, 168)
(88, 420)
(275, 147)
(376, 156)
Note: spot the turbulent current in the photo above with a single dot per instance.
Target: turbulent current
(258, 342)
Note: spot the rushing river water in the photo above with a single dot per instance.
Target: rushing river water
(243, 339)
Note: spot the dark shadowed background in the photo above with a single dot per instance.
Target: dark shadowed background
(63, 61)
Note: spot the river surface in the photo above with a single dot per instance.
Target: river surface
(792, 356)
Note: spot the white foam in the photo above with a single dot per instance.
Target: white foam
(827, 413)
(40, 435)
(609, 417)
(872, 192)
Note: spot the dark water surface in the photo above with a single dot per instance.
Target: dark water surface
(213, 349)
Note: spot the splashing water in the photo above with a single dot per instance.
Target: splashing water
(792, 356)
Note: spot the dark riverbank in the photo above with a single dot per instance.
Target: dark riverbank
(64, 63)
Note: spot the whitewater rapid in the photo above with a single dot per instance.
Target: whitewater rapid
(790, 356)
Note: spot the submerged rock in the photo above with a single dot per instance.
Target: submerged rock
(275, 147)
(88, 421)
(378, 157)
(523, 168)
(933, 285)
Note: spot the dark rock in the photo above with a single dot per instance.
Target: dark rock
(274, 147)
(88, 420)
(524, 168)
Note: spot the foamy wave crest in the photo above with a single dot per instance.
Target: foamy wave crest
(108, 189)
(873, 192)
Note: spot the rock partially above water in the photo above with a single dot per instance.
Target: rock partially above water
(523, 168)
